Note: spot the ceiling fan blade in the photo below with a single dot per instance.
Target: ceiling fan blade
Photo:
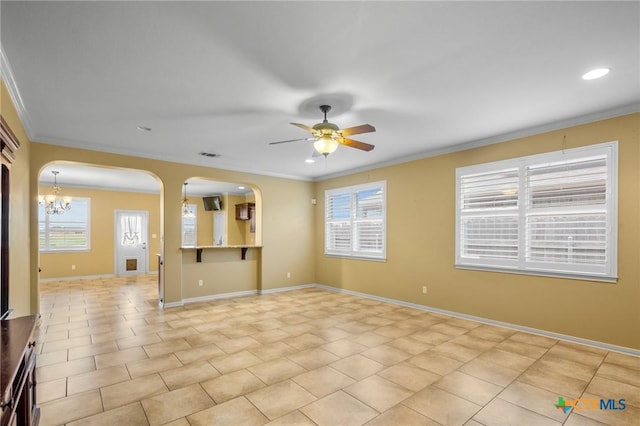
(363, 128)
(303, 127)
(356, 144)
(291, 140)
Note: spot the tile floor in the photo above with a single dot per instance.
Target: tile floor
(108, 355)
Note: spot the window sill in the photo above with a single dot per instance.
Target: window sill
(549, 274)
(84, 250)
(343, 256)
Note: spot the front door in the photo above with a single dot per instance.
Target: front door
(131, 242)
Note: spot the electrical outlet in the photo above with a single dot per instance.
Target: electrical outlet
(200, 283)
(424, 289)
(73, 267)
(288, 274)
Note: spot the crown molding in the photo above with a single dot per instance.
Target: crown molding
(505, 137)
(14, 93)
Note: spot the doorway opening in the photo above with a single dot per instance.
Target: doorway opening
(112, 226)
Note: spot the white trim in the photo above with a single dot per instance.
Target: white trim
(172, 305)
(550, 334)
(79, 277)
(211, 297)
(7, 76)
(86, 277)
(288, 288)
(540, 273)
(505, 137)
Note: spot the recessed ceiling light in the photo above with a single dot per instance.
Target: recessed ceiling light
(596, 73)
(144, 128)
(241, 187)
(310, 160)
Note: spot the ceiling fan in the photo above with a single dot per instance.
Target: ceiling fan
(327, 136)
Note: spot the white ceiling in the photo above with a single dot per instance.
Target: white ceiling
(228, 77)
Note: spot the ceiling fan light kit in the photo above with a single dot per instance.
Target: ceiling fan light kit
(328, 136)
(325, 145)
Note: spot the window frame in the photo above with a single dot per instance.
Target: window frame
(352, 252)
(45, 248)
(606, 273)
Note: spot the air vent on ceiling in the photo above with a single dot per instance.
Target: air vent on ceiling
(209, 154)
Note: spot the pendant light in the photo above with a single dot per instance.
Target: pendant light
(186, 209)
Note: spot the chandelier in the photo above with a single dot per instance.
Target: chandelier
(186, 210)
(53, 203)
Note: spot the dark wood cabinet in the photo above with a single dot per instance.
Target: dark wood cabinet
(8, 146)
(245, 211)
(18, 372)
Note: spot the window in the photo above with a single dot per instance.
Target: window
(355, 221)
(190, 227)
(68, 231)
(551, 214)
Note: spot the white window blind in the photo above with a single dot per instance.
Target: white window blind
(68, 231)
(355, 221)
(553, 214)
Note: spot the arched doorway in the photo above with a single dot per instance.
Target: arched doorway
(78, 236)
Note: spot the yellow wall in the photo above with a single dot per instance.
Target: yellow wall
(100, 259)
(421, 241)
(221, 271)
(22, 296)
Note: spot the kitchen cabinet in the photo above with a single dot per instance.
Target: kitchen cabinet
(245, 211)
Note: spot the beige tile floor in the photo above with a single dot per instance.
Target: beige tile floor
(108, 355)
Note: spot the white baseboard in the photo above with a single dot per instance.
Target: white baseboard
(288, 288)
(211, 297)
(90, 277)
(78, 277)
(550, 334)
(172, 305)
